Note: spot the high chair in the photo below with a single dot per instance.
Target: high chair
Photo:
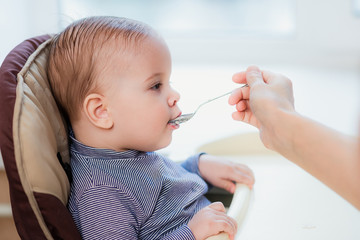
(34, 146)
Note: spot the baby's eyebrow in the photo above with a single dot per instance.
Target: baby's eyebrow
(153, 76)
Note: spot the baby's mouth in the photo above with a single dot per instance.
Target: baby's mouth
(174, 123)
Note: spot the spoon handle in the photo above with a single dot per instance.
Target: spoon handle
(186, 117)
(212, 99)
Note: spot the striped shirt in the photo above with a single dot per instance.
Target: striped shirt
(133, 194)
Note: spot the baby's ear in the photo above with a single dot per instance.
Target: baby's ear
(96, 110)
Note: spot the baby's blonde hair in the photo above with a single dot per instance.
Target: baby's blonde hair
(77, 55)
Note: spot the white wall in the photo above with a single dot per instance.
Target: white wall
(22, 19)
(328, 34)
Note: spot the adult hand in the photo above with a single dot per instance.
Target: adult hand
(325, 153)
(270, 93)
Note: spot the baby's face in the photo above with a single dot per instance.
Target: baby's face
(140, 98)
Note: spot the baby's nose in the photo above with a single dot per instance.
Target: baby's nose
(174, 98)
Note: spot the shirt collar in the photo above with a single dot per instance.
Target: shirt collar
(92, 152)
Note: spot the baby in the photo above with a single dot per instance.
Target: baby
(111, 76)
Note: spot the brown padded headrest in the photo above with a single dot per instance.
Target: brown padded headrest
(39, 131)
(33, 135)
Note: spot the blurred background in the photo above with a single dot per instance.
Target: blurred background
(315, 43)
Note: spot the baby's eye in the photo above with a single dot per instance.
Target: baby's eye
(156, 86)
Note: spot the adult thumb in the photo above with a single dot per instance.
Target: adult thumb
(253, 75)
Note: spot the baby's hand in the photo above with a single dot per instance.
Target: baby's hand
(222, 173)
(212, 220)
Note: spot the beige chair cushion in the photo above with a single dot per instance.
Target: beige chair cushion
(39, 131)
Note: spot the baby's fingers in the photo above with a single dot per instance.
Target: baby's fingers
(246, 178)
(221, 217)
(224, 223)
(212, 220)
(242, 174)
(244, 170)
(218, 206)
(228, 185)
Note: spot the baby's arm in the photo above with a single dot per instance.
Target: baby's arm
(212, 220)
(192, 164)
(223, 173)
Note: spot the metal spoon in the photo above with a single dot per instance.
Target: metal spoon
(186, 117)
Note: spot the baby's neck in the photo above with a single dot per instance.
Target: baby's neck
(92, 136)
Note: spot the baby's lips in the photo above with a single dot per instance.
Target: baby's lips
(177, 115)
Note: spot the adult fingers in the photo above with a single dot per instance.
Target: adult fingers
(254, 76)
(239, 94)
(239, 77)
(251, 75)
(247, 117)
(270, 77)
(238, 116)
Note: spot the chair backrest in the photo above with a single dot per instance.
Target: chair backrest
(33, 138)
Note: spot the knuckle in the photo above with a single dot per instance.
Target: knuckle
(253, 74)
(224, 225)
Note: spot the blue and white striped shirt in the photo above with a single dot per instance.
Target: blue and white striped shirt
(133, 195)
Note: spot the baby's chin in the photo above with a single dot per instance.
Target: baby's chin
(164, 145)
(159, 146)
